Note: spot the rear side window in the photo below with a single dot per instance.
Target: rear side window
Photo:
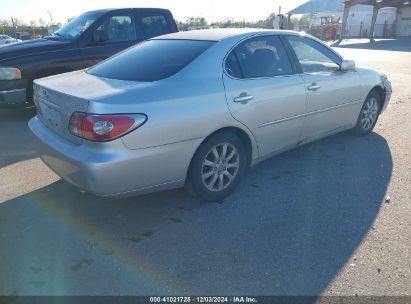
(151, 60)
(258, 57)
(154, 25)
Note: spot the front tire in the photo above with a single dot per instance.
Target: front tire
(218, 166)
(369, 114)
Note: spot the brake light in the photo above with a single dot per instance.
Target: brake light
(104, 127)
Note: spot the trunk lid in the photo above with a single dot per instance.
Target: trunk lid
(57, 97)
(54, 109)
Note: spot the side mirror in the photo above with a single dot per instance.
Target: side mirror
(347, 65)
(100, 36)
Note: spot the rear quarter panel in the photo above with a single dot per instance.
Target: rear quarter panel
(177, 111)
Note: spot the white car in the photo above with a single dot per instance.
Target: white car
(5, 39)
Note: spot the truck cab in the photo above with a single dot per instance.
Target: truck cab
(81, 43)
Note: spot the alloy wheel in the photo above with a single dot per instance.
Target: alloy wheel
(220, 167)
(369, 114)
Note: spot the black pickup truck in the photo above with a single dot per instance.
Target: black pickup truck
(81, 43)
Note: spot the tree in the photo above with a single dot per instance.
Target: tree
(17, 22)
(33, 24)
(5, 25)
(201, 22)
(303, 20)
(196, 22)
(182, 26)
(266, 23)
(41, 22)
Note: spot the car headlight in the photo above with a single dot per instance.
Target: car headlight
(10, 73)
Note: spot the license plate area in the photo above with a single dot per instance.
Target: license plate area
(49, 114)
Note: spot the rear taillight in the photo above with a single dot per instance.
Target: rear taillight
(104, 127)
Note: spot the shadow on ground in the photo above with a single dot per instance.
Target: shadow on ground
(293, 223)
(399, 45)
(15, 137)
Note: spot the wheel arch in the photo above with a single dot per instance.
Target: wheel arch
(246, 138)
(380, 91)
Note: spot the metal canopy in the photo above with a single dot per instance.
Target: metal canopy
(318, 6)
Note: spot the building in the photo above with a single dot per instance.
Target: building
(404, 22)
(360, 18)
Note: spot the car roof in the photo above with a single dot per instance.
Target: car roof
(220, 34)
(106, 10)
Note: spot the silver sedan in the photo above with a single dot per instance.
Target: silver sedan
(197, 108)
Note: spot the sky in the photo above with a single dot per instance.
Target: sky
(212, 10)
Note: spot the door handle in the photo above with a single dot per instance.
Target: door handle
(314, 87)
(243, 98)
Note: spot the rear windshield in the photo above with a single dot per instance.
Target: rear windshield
(151, 60)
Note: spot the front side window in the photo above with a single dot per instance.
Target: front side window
(263, 56)
(77, 26)
(151, 60)
(154, 25)
(313, 56)
(117, 29)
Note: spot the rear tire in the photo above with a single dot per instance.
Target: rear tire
(369, 114)
(217, 166)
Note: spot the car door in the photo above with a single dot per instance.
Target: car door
(332, 95)
(264, 93)
(114, 33)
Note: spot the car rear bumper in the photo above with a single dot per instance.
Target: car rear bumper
(114, 173)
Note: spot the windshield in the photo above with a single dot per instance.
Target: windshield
(77, 26)
(151, 60)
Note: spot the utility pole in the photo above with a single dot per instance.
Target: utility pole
(51, 19)
(14, 26)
